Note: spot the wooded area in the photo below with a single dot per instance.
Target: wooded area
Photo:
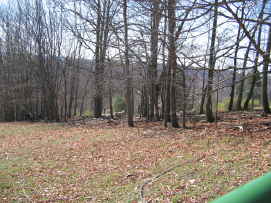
(162, 59)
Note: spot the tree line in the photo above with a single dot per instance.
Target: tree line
(61, 58)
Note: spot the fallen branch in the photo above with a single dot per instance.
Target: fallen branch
(155, 178)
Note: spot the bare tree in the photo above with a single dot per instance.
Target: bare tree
(209, 111)
(152, 72)
(129, 88)
(238, 38)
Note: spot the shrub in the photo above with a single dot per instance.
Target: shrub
(119, 104)
(87, 114)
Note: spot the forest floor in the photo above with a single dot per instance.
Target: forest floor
(108, 162)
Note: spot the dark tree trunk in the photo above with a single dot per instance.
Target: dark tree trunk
(65, 96)
(152, 72)
(240, 94)
(82, 105)
(102, 33)
(241, 87)
(129, 88)
(111, 103)
(265, 101)
(164, 78)
(157, 92)
(255, 70)
(184, 98)
(77, 82)
(232, 94)
(144, 102)
(209, 111)
(172, 63)
(71, 99)
(98, 97)
(111, 96)
(202, 101)
(255, 74)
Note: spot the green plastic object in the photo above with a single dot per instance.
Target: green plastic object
(256, 191)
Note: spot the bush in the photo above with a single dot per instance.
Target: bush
(119, 104)
(87, 114)
(223, 105)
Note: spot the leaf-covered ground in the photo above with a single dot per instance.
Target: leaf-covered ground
(105, 162)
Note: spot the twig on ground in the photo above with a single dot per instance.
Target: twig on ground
(155, 178)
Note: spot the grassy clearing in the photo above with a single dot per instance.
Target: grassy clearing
(223, 106)
(55, 162)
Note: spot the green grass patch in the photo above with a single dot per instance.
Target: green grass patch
(223, 106)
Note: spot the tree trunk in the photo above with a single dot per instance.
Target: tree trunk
(164, 78)
(265, 101)
(144, 102)
(129, 88)
(98, 97)
(209, 111)
(202, 101)
(102, 33)
(256, 63)
(184, 98)
(110, 95)
(230, 107)
(77, 84)
(65, 95)
(72, 87)
(85, 91)
(241, 88)
(172, 63)
(255, 70)
(255, 74)
(152, 71)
